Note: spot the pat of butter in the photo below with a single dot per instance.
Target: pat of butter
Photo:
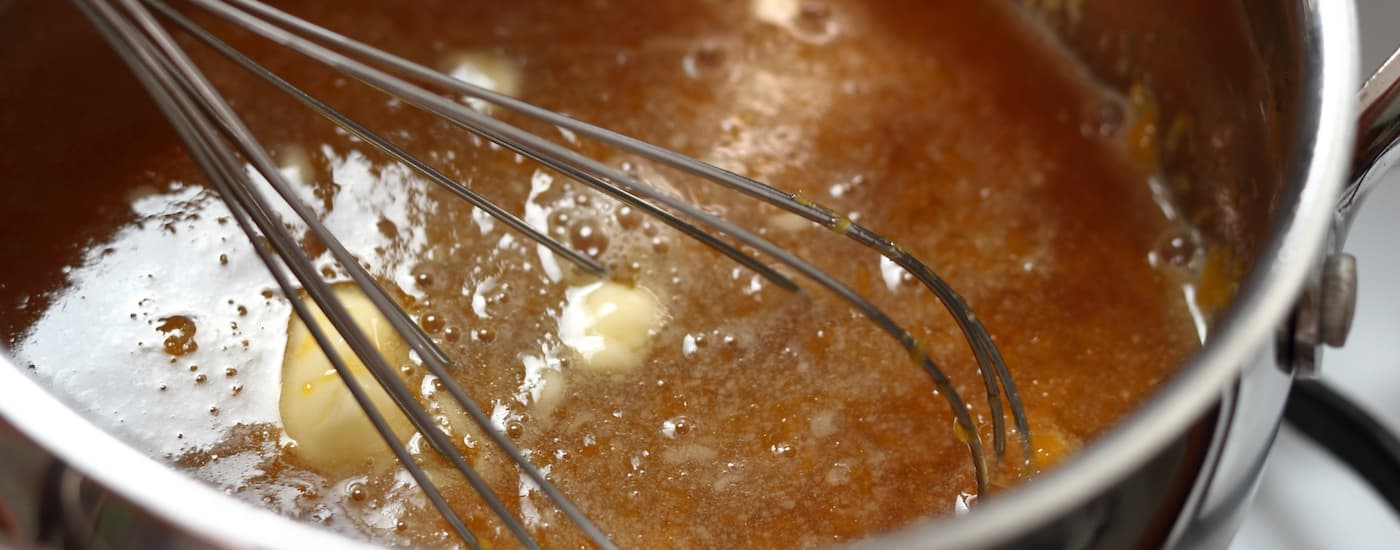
(332, 432)
(609, 324)
(776, 12)
(487, 71)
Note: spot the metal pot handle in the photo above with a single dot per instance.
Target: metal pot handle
(1324, 312)
(1378, 131)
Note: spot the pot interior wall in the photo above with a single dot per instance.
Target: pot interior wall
(1225, 79)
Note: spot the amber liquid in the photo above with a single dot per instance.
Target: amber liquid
(760, 418)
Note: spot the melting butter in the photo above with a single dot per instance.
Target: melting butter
(486, 70)
(609, 324)
(775, 12)
(331, 430)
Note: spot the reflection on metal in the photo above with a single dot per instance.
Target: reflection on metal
(1377, 132)
(23, 469)
(80, 504)
(1338, 299)
(1323, 315)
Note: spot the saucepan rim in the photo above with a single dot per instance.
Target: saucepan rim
(1323, 153)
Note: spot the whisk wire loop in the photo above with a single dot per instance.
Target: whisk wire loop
(217, 139)
(608, 180)
(989, 358)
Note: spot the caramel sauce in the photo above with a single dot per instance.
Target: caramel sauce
(760, 418)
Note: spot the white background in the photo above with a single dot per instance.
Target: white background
(1307, 499)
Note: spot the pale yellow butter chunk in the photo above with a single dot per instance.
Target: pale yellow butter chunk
(331, 430)
(609, 324)
(488, 71)
(776, 12)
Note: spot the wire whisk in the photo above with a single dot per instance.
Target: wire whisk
(221, 145)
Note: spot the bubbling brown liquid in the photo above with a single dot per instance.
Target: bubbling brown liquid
(759, 417)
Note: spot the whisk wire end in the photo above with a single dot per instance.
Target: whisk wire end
(219, 143)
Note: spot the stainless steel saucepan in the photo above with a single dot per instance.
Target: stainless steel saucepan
(1277, 153)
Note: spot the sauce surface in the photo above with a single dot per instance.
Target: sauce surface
(758, 417)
